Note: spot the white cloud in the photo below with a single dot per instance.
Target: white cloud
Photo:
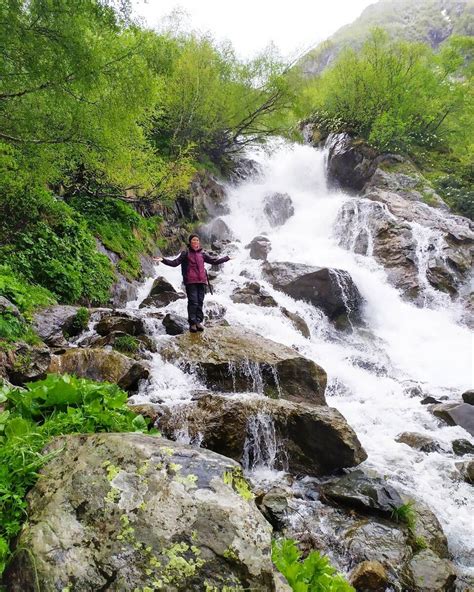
(251, 25)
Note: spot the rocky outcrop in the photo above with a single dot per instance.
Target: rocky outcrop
(161, 294)
(331, 290)
(418, 442)
(430, 573)
(123, 323)
(232, 359)
(468, 397)
(24, 363)
(215, 230)
(308, 440)
(253, 293)
(205, 199)
(130, 511)
(278, 208)
(174, 324)
(351, 162)
(244, 169)
(460, 414)
(53, 323)
(259, 247)
(102, 365)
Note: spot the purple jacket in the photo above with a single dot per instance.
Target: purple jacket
(192, 265)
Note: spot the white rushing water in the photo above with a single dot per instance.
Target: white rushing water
(372, 371)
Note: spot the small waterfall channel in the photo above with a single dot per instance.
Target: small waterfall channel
(373, 371)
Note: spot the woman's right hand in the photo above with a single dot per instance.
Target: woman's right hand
(157, 259)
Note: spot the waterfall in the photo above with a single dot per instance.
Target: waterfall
(369, 369)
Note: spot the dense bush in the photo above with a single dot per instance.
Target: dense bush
(32, 417)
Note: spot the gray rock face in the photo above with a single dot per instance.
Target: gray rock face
(174, 324)
(427, 526)
(205, 199)
(24, 363)
(259, 247)
(130, 511)
(236, 360)
(466, 469)
(215, 230)
(161, 294)
(468, 397)
(314, 440)
(350, 163)
(358, 490)
(253, 293)
(52, 322)
(430, 573)
(331, 290)
(278, 208)
(461, 414)
(7, 306)
(462, 447)
(418, 442)
(123, 323)
(245, 168)
(101, 365)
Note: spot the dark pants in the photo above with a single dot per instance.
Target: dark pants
(195, 294)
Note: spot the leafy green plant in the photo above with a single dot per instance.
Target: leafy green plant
(79, 322)
(406, 514)
(31, 417)
(313, 574)
(127, 344)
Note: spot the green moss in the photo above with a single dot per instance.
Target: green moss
(237, 481)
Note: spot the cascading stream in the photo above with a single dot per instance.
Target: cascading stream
(371, 371)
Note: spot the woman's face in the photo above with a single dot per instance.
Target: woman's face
(195, 243)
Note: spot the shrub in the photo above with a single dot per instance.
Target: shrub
(127, 344)
(79, 322)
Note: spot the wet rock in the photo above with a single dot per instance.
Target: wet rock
(358, 490)
(53, 322)
(215, 230)
(253, 293)
(237, 360)
(205, 199)
(313, 440)
(350, 162)
(259, 247)
(123, 511)
(428, 400)
(214, 310)
(466, 469)
(462, 447)
(174, 324)
(427, 528)
(418, 442)
(161, 294)
(298, 322)
(369, 576)
(24, 363)
(468, 397)
(331, 290)
(101, 365)
(278, 208)
(274, 505)
(461, 414)
(243, 169)
(143, 343)
(431, 573)
(122, 323)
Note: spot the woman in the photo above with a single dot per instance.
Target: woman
(194, 277)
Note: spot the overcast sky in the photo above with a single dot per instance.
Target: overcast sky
(293, 26)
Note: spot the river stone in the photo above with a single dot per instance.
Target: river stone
(430, 573)
(253, 293)
(466, 469)
(53, 322)
(131, 511)
(237, 360)
(274, 506)
(259, 247)
(313, 440)
(468, 397)
(331, 290)
(161, 294)
(278, 208)
(461, 414)
(101, 365)
(427, 527)
(298, 322)
(358, 490)
(25, 363)
(418, 441)
(369, 576)
(175, 324)
(122, 323)
(462, 447)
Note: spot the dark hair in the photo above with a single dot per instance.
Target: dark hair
(191, 236)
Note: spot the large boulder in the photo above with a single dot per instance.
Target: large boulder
(206, 198)
(259, 247)
(174, 324)
(137, 512)
(369, 576)
(331, 290)
(461, 414)
(24, 363)
(468, 397)
(350, 162)
(123, 323)
(215, 230)
(54, 322)
(237, 360)
(253, 293)
(161, 294)
(430, 573)
(244, 169)
(278, 208)
(308, 440)
(101, 365)
(419, 442)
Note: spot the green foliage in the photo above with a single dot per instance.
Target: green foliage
(237, 481)
(313, 574)
(127, 344)
(27, 297)
(51, 407)
(79, 322)
(406, 514)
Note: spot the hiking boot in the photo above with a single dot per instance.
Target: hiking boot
(199, 327)
(193, 328)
